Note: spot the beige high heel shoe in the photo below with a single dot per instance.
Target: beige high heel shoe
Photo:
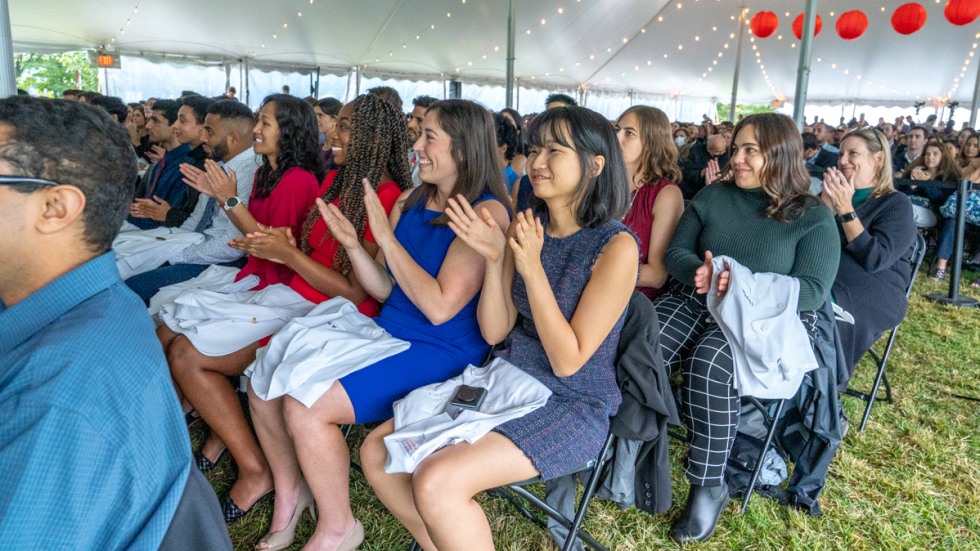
(274, 541)
(354, 539)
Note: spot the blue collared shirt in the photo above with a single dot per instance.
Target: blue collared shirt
(94, 453)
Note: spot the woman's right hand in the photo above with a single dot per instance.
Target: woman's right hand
(919, 173)
(704, 273)
(197, 179)
(479, 231)
(340, 227)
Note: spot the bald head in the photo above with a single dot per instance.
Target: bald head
(717, 145)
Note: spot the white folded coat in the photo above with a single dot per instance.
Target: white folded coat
(305, 357)
(141, 251)
(218, 324)
(758, 316)
(422, 425)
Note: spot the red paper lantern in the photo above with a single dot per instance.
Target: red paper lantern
(763, 24)
(852, 24)
(908, 18)
(798, 26)
(962, 12)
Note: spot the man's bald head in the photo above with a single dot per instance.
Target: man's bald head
(717, 145)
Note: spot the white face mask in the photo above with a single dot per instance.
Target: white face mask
(679, 140)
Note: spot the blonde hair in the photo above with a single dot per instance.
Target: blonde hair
(876, 142)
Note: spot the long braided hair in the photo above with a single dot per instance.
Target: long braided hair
(378, 141)
(298, 145)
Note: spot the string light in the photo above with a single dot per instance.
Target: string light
(129, 22)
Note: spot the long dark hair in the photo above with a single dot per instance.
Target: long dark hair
(378, 142)
(658, 160)
(784, 177)
(298, 144)
(473, 138)
(601, 196)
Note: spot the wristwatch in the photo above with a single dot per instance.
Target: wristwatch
(232, 202)
(844, 217)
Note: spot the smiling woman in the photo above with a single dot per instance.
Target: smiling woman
(764, 220)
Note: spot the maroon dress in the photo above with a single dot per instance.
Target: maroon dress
(640, 220)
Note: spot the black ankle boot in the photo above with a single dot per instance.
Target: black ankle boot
(701, 514)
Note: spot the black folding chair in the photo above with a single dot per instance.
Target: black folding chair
(881, 360)
(770, 417)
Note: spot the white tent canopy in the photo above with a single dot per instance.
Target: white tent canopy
(679, 49)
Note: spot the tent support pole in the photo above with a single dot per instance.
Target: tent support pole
(738, 62)
(511, 22)
(8, 78)
(245, 82)
(803, 72)
(975, 103)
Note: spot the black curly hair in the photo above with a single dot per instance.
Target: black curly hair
(378, 143)
(298, 145)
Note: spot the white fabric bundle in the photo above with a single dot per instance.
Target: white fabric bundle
(141, 251)
(422, 425)
(221, 323)
(306, 356)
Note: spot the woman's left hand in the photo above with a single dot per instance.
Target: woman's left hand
(377, 217)
(527, 242)
(838, 191)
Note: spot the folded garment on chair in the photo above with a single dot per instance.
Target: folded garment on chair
(422, 425)
(215, 278)
(305, 357)
(141, 251)
(221, 323)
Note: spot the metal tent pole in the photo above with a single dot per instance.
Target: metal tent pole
(738, 62)
(975, 103)
(8, 79)
(803, 72)
(954, 298)
(511, 22)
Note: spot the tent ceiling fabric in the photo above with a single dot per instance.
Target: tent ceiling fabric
(646, 46)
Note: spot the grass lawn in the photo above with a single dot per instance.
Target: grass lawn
(910, 481)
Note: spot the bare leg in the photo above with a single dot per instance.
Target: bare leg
(167, 337)
(325, 461)
(444, 485)
(205, 384)
(394, 490)
(270, 427)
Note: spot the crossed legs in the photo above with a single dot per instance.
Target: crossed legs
(436, 502)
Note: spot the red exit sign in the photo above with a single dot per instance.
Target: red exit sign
(103, 60)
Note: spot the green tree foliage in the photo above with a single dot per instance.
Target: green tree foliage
(741, 109)
(51, 74)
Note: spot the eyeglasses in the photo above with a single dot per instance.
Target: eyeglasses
(21, 180)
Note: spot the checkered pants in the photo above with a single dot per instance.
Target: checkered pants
(695, 345)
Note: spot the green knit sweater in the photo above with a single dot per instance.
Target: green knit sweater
(730, 221)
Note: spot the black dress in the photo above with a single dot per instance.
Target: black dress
(874, 272)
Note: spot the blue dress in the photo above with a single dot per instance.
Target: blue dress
(570, 429)
(437, 353)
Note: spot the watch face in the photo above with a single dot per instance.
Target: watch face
(231, 203)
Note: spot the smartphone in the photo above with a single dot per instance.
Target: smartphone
(468, 397)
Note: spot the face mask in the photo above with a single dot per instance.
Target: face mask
(679, 140)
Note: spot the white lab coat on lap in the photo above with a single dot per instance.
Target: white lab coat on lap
(770, 346)
(422, 425)
(138, 252)
(305, 357)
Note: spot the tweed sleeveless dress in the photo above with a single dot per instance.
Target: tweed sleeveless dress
(569, 430)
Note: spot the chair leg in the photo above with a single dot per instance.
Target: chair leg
(583, 505)
(874, 392)
(415, 546)
(770, 435)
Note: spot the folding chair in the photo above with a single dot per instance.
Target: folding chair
(881, 360)
(770, 416)
(518, 495)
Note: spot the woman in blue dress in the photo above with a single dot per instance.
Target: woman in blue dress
(568, 268)
(429, 281)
